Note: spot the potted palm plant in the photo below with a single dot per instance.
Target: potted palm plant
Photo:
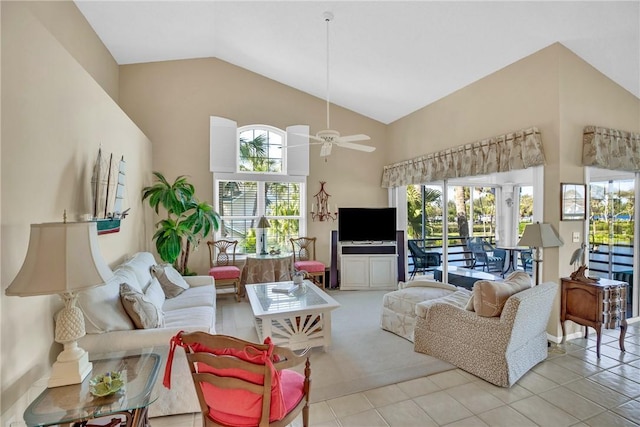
(188, 220)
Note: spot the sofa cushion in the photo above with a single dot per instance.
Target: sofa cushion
(426, 283)
(189, 319)
(309, 266)
(140, 265)
(225, 272)
(101, 306)
(201, 296)
(404, 301)
(145, 309)
(489, 297)
(458, 298)
(172, 282)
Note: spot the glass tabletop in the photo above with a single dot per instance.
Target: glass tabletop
(264, 300)
(71, 403)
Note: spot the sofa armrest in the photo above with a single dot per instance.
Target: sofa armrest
(199, 280)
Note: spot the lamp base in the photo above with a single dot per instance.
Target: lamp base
(70, 370)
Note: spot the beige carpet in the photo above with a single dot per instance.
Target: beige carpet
(362, 356)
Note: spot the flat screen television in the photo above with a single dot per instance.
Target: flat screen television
(367, 224)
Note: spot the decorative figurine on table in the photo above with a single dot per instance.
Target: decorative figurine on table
(577, 260)
(298, 277)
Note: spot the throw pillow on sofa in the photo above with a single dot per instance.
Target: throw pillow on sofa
(489, 297)
(145, 309)
(172, 282)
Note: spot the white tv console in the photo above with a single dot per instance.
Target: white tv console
(368, 265)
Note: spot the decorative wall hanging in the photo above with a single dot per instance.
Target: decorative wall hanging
(320, 209)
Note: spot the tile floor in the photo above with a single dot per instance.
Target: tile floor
(571, 389)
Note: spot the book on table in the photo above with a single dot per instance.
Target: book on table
(284, 288)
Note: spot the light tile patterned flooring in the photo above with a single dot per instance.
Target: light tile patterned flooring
(572, 389)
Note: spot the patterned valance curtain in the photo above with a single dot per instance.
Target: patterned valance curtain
(611, 149)
(517, 150)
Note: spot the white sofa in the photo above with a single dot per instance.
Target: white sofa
(110, 329)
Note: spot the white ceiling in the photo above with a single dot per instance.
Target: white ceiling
(387, 58)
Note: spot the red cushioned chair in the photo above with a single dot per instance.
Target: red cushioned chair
(222, 263)
(240, 383)
(304, 258)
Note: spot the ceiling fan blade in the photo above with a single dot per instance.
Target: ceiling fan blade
(325, 150)
(315, 138)
(352, 138)
(304, 145)
(353, 146)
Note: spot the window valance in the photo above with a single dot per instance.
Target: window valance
(611, 149)
(517, 150)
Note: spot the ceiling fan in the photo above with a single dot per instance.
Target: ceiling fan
(328, 137)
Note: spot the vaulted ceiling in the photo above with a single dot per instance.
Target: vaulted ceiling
(386, 58)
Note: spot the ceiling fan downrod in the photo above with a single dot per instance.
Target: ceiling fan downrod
(328, 17)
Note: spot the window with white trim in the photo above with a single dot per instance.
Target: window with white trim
(260, 187)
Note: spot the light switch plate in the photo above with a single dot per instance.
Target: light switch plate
(576, 237)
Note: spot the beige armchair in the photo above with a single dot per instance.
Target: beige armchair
(498, 349)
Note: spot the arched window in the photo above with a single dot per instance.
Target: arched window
(261, 149)
(260, 184)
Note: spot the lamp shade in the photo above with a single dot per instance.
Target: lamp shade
(263, 223)
(61, 258)
(540, 235)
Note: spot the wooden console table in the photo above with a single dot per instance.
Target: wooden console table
(595, 304)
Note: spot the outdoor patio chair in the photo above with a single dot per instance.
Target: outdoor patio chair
(486, 256)
(526, 260)
(222, 265)
(423, 260)
(240, 383)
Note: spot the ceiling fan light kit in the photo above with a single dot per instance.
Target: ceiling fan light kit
(329, 137)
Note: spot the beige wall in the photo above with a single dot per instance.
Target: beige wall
(172, 102)
(54, 118)
(65, 22)
(552, 89)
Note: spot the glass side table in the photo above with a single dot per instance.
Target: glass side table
(73, 405)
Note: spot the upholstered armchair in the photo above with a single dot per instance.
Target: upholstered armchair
(499, 349)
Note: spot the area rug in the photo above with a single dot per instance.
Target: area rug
(362, 355)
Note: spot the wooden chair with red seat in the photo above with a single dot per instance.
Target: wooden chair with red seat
(240, 383)
(222, 265)
(304, 258)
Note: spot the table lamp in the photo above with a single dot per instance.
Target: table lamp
(63, 258)
(263, 224)
(536, 236)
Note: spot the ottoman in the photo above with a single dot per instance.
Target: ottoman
(399, 307)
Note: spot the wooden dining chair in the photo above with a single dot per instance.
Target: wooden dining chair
(304, 258)
(222, 265)
(241, 383)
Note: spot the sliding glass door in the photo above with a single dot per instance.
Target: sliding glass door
(612, 229)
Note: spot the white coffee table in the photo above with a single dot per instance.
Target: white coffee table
(298, 320)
